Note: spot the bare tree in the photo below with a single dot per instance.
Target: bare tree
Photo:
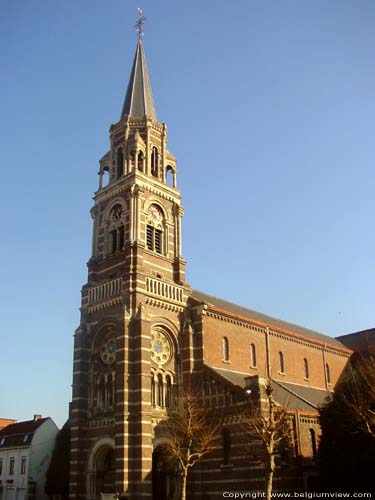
(191, 433)
(271, 426)
(356, 391)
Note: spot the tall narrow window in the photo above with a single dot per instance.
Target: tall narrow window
(281, 363)
(328, 374)
(153, 402)
(23, 465)
(110, 390)
(102, 392)
(154, 162)
(306, 368)
(227, 444)
(1, 466)
(150, 237)
(170, 176)
(119, 163)
(225, 348)
(121, 237)
(113, 234)
(160, 395)
(253, 356)
(140, 161)
(168, 392)
(158, 236)
(11, 466)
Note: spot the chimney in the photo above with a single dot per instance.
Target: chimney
(37, 417)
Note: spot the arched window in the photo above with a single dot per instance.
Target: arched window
(153, 395)
(119, 163)
(253, 356)
(140, 161)
(281, 362)
(227, 444)
(168, 392)
(170, 176)
(306, 368)
(154, 230)
(104, 178)
(159, 391)
(154, 162)
(110, 390)
(116, 229)
(225, 348)
(328, 374)
(313, 442)
(101, 392)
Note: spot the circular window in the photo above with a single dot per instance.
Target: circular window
(108, 352)
(161, 349)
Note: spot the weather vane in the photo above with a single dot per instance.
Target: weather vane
(140, 22)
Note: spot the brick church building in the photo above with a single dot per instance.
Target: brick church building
(143, 329)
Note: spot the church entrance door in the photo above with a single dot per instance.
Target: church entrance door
(104, 472)
(164, 479)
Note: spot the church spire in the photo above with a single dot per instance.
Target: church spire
(138, 98)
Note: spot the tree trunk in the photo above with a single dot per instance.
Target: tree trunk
(183, 484)
(269, 476)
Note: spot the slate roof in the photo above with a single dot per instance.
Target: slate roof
(19, 434)
(293, 396)
(359, 341)
(138, 99)
(267, 320)
(298, 397)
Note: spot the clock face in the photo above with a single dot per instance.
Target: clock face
(161, 350)
(116, 213)
(108, 352)
(155, 214)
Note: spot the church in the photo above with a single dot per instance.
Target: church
(144, 330)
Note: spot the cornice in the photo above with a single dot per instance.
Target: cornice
(248, 322)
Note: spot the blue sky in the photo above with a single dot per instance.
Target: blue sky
(271, 115)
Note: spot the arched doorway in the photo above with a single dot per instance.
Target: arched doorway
(104, 470)
(164, 476)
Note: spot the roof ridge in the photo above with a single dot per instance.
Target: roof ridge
(263, 317)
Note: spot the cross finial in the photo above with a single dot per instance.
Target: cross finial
(140, 22)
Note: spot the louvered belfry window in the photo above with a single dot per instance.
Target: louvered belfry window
(154, 230)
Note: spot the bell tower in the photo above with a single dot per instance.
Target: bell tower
(127, 346)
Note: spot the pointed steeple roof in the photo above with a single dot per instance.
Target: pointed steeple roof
(138, 99)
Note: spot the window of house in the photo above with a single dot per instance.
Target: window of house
(23, 465)
(306, 368)
(225, 348)
(154, 229)
(253, 356)
(11, 466)
(328, 374)
(281, 362)
(1, 466)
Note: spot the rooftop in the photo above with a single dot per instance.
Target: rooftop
(264, 319)
(20, 433)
